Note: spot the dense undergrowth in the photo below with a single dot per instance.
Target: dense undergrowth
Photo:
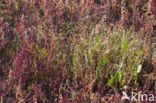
(75, 51)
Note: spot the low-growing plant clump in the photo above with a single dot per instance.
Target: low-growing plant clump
(76, 51)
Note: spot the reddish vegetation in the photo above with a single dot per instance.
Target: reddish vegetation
(153, 7)
(40, 48)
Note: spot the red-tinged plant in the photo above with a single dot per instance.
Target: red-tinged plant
(74, 50)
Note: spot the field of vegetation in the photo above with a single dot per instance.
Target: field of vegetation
(76, 51)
